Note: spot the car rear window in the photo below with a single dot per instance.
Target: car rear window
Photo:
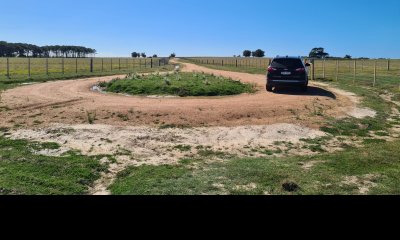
(287, 63)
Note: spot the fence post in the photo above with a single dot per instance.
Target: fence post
(151, 63)
(102, 64)
(29, 67)
(62, 63)
(222, 62)
(388, 65)
(91, 65)
(159, 62)
(323, 69)
(111, 64)
(355, 71)
(76, 65)
(337, 70)
(119, 64)
(47, 66)
(374, 73)
(236, 63)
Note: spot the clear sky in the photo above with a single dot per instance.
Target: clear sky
(207, 27)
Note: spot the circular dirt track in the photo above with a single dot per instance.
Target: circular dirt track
(70, 102)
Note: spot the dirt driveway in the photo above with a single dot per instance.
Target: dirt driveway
(69, 102)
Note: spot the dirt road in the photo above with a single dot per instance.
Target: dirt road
(70, 102)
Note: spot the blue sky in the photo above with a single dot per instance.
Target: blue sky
(208, 27)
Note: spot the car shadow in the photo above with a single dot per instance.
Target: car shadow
(312, 91)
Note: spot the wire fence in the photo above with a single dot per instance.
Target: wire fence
(233, 62)
(366, 72)
(14, 68)
(369, 72)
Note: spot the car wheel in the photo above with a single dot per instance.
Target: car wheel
(269, 88)
(304, 88)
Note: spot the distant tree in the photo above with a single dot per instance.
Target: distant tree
(172, 55)
(318, 53)
(239, 56)
(155, 56)
(135, 55)
(258, 53)
(30, 50)
(143, 55)
(347, 57)
(234, 56)
(246, 53)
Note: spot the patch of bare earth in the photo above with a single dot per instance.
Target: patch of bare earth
(353, 111)
(134, 146)
(248, 187)
(363, 183)
(309, 165)
(159, 146)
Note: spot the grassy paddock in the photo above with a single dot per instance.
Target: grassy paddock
(6, 83)
(179, 84)
(331, 70)
(19, 67)
(351, 72)
(25, 170)
(376, 165)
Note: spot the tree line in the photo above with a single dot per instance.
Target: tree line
(319, 52)
(257, 53)
(143, 55)
(30, 50)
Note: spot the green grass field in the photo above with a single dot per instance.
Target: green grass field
(55, 67)
(178, 84)
(6, 83)
(375, 165)
(24, 171)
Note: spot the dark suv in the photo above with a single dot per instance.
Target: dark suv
(287, 71)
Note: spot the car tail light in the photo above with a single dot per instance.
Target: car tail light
(300, 70)
(271, 69)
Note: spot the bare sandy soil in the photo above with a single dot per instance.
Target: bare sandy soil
(70, 102)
